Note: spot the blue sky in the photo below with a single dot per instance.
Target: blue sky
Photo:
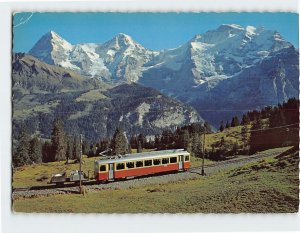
(152, 30)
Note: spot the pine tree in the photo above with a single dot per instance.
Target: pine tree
(58, 140)
(21, 157)
(196, 144)
(142, 139)
(36, 154)
(227, 125)
(167, 139)
(48, 155)
(76, 149)
(245, 120)
(133, 141)
(244, 136)
(157, 142)
(86, 146)
(255, 141)
(139, 147)
(129, 149)
(119, 143)
(235, 122)
(185, 138)
(221, 126)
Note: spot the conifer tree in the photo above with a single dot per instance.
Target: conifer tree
(76, 149)
(21, 157)
(36, 154)
(245, 120)
(157, 142)
(221, 126)
(196, 144)
(47, 152)
(185, 138)
(227, 125)
(119, 143)
(58, 140)
(244, 136)
(142, 139)
(139, 147)
(133, 141)
(235, 122)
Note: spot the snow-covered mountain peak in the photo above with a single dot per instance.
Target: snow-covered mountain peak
(251, 30)
(56, 40)
(120, 41)
(230, 27)
(224, 51)
(51, 48)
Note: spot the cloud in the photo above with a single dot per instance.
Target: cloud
(24, 21)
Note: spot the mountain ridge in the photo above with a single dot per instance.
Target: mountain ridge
(42, 92)
(193, 71)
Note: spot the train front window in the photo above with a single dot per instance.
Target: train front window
(173, 160)
(156, 161)
(120, 166)
(165, 161)
(130, 164)
(139, 164)
(103, 168)
(148, 163)
(187, 158)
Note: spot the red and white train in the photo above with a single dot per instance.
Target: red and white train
(139, 164)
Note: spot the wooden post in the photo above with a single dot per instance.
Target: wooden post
(80, 163)
(203, 152)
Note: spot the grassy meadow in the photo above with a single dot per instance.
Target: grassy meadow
(268, 185)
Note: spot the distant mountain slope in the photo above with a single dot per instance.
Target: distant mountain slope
(231, 68)
(31, 74)
(42, 92)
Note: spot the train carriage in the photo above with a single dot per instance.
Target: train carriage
(139, 164)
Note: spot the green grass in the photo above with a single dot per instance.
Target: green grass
(92, 95)
(268, 189)
(31, 174)
(231, 135)
(197, 161)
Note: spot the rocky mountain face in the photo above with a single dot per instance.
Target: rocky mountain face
(231, 69)
(42, 92)
(119, 60)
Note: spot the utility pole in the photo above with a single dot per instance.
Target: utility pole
(203, 151)
(80, 163)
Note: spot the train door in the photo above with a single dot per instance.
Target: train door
(180, 163)
(110, 171)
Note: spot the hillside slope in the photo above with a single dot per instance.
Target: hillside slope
(42, 92)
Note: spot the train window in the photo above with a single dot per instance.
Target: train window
(130, 164)
(156, 161)
(187, 158)
(165, 161)
(102, 168)
(148, 163)
(139, 164)
(120, 166)
(173, 160)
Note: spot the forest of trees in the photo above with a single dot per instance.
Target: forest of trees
(270, 127)
(275, 126)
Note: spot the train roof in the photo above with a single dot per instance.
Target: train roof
(143, 155)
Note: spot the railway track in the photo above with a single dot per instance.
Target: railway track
(47, 190)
